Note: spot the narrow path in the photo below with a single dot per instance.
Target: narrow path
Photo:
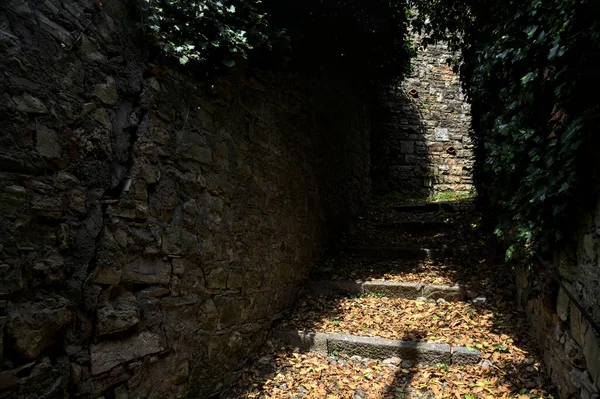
(412, 307)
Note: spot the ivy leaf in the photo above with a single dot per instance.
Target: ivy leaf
(228, 62)
(564, 187)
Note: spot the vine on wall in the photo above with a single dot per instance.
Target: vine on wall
(528, 69)
(366, 41)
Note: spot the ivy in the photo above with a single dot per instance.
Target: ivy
(528, 71)
(365, 41)
(205, 31)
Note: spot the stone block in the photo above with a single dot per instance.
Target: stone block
(102, 117)
(106, 355)
(196, 153)
(118, 314)
(30, 104)
(407, 147)
(47, 142)
(417, 353)
(309, 342)
(394, 289)
(591, 353)
(32, 326)
(146, 271)
(55, 30)
(107, 92)
(573, 351)
(465, 356)
(2, 324)
(578, 325)
(447, 292)
(10, 278)
(441, 134)
(562, 305)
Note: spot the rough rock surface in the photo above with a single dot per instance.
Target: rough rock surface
(151, 227)
(420, 140)
(570, 345)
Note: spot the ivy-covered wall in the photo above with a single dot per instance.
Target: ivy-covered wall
(152, 227)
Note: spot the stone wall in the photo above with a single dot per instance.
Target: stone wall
(420, 143)
(151, 228)
(570, 345)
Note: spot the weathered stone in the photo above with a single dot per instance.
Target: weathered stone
(309, 342)
(407, 147)
(110, 275)
(50, 207)
(465, 356)
(109, 354)
(10, 278)
(107, 92)
(562, 305)
(182, 373)
(54, 29)
(76, 373)
(121, 392)
(196, 153)
(8, 379)
(30, 104)
(163, 176)
(591, 352)
(32, 326)
(379, 348)
(217, 278)
(52, 268)
(90, 50)
(21, 8)
(2, 324)
(445, 292)
(578, 325)
(101, 116)
(394, 289)
(486, 364)
(65, 180)
(178, 241)
(47, 142)
(146, 271)
(479, 301)
(118, 314)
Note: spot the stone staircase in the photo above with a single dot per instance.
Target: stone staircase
(408, 290)
(374, 347)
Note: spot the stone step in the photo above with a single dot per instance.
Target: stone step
(391, 289)
(425, 207)
(415, 227)
(399, 252)
(411, 353)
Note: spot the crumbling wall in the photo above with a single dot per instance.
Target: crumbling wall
(152, 227)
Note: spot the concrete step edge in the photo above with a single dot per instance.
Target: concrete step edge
(413, 353)
(414, 226)
(392, 289)
(425, 207)
(399, 252)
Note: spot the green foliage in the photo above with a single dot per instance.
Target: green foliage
(206, 31)
(528, 69)
(362, 40)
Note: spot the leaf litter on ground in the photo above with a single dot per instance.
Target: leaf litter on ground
(510, 368)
